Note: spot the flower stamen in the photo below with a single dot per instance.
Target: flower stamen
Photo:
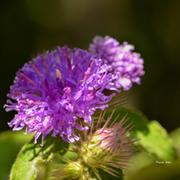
(58, 73)
(36, 70)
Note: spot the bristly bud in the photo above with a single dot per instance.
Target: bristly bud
(108, 147)
(70, 170)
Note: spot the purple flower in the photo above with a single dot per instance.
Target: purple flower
(127, 65)
(59, 93)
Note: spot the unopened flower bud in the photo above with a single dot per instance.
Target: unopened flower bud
(108, 147)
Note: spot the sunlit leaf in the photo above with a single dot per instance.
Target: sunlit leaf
(151, 136)
(157, 142)
(175, 135)
(159, 171)
(32, 157)
(10, 144)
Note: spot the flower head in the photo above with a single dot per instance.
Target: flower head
(127, 65)
(53, 93)
(107, 147)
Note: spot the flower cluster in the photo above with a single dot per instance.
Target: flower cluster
(58, 93)
(127, 65)
(53, 92)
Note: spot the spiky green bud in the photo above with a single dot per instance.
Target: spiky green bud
(107, 148)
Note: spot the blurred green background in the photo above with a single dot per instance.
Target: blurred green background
(29, 27)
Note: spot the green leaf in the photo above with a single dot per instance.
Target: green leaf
(32, 158)
(175, 135)
(10, 144)
(147, 168)
(152, 137)
(158, 171)
(157, 142)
